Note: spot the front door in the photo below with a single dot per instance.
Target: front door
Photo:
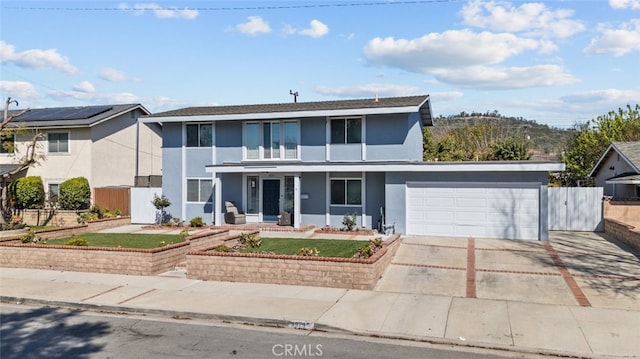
(270, 199)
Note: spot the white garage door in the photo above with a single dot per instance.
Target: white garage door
(481, 210)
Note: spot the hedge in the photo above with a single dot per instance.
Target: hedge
(28, 192)
(75, 194)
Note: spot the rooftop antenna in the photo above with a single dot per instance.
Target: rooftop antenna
(294, 94)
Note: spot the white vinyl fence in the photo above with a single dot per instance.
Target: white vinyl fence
(575, 209)
(142, 210)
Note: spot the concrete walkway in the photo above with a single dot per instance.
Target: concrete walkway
(433, 310)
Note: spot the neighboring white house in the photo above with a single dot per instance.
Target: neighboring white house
(106, 144)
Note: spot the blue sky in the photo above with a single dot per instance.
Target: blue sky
(555, 62)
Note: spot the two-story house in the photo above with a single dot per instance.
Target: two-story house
(106, 144)
(322, 160)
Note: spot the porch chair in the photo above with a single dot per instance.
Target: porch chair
(233, 215)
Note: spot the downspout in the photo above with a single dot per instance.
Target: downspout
(137, 147)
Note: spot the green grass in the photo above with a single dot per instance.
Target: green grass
(37, 228)
(326, 247)
(124, 240)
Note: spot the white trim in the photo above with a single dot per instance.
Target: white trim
(327, 204)
(327, 139)
(363, 137)
(217, 189)
(297, 212)
(358, 166)
(363, 199)
(183, 186)
(620, 155)
(286, 114)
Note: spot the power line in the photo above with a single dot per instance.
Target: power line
(228, 8)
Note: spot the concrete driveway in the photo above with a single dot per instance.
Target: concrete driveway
(572, 268)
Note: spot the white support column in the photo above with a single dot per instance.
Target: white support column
(217, 210)
(296, 201)
(364, 199)
(327, 140)
(364, 138)
(327, 219)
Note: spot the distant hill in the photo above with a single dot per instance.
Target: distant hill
(547, 143)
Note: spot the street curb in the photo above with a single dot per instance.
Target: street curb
(281, 323)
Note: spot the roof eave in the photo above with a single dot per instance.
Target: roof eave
(287, 114)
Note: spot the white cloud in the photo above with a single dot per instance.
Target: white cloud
(497, 78)
(449, 49)
(84, 86)
(170, 12)
(613, 97)
(36, 59)
(617, 42)
(368, 90)
(316, 29)
(530, 18)
(255, 25)
(445, 96)
(18, 89)
(114, 75)
(623, 4)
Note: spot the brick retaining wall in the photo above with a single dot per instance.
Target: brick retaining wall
(130, 261)
(623, 232)
(293, 270)
(41, 217)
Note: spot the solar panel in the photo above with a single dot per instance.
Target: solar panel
(64, 113)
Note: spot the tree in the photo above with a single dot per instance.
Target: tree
(160, 203)
(593, 137)
(8, 129)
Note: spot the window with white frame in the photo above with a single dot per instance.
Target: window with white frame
(253, 194)
(346, 192)
(7, 144)
(271, 140)
(199, 190)
(58, 142)
(346, 130)
(200, 135)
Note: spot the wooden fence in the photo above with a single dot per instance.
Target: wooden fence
(112, 198)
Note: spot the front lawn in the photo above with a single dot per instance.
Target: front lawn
(124, 240)
(326, 247)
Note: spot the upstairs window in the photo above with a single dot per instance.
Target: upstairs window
(7, 143)
(346, 130)
(200, 135)
(58, 142)
(271, 140)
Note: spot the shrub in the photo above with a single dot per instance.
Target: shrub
(364, 252)
(250, 240)
(30, 237)
(76, 241)
(28, 192)
(117, 212)
(184, 233)
(160, 203)
(376, 243)
(222, 248)
(75, 194)
(196, 222)
(308, 252)
(350, 220)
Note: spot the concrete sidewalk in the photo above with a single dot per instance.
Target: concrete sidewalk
(566, 330)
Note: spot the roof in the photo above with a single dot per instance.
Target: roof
(629, 151)
(83, 116)
(625, 178)
(8, 168)
(407, 104)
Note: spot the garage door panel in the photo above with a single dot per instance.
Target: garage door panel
(473, 209)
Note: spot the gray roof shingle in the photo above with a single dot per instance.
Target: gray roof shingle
(389, 102)
(630, 150)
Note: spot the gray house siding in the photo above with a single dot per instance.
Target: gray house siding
(228, 142)
(313, 208)
(619, 166)
(346, 152)
(196, 160)
(172, 167)
(312, 139)
(395, 190)
(388, 138)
